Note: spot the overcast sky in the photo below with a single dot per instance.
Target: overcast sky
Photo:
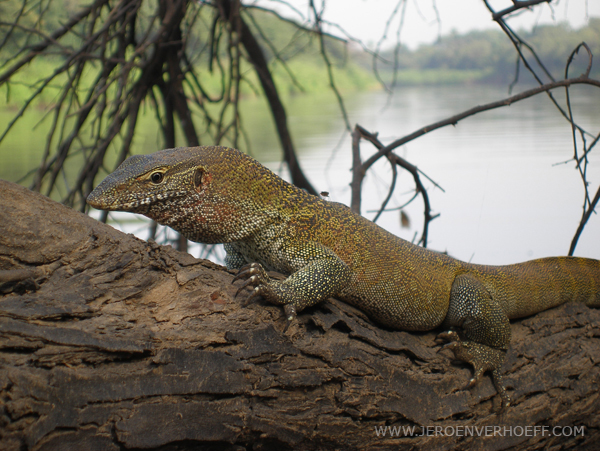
(366, 19)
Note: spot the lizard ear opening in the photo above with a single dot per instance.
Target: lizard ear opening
(198, 177)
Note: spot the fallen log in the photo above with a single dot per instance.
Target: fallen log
(108, 342)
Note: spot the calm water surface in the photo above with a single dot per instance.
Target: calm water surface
(507, 196)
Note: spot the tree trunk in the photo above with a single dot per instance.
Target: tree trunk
(112, 343)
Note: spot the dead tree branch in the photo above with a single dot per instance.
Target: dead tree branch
(360, 169)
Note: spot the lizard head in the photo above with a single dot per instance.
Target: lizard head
(209, 194)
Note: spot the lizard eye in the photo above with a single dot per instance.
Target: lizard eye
(157, 177)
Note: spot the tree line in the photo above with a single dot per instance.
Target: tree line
(487, 56)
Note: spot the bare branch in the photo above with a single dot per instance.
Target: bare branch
(587, 214)
(396, 47)
(478, 109)
(36, 50)
(517, 5)
(338, 96)
(359, 170)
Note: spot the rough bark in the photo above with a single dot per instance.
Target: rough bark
(112, 343)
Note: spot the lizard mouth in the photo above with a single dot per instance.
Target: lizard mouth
(100, 202)
(138, 207)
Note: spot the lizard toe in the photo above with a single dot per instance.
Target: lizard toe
(500, 388)
(477, 375)
(448, 336)
(253, 281)
(256, 294)
(290, 315)
(249, 270)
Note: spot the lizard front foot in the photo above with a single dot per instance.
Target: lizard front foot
(482, 357)
(256, 276)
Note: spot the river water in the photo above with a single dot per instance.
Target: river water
(508, 195)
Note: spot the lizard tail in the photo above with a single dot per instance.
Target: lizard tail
(586, 274)
(530, 287)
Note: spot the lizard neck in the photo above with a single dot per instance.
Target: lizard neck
(212, 221)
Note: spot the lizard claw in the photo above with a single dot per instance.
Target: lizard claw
(290, 315)
(252, 280)
(247, 270)
(253, 297)
(477, 375)
(449, 336)
(255, 276)
(250, 270)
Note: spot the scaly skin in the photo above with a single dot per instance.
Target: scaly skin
(220, 195)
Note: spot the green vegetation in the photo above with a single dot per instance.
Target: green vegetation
(479, 56)
(281, 41)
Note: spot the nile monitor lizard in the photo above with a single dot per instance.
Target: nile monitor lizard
(220, 195)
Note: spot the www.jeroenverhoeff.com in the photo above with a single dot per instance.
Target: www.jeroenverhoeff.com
(479, 431)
